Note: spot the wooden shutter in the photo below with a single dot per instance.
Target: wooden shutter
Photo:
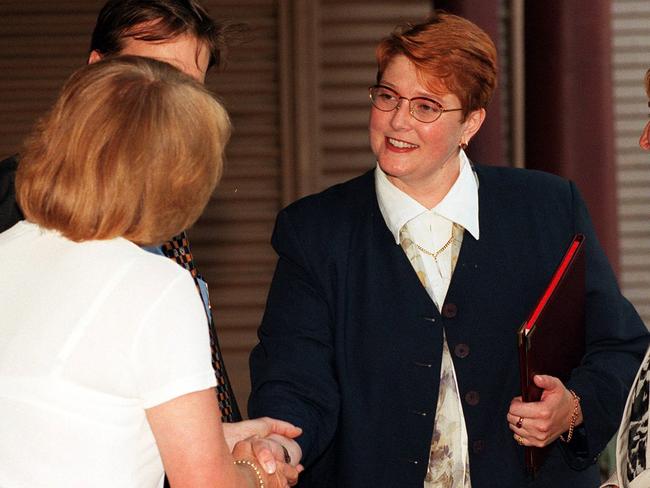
(350, 31)
(631, 51)
(231, 240)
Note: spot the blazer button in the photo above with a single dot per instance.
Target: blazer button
(449, 310)
(422, 364)
(478, 446)
(414, 462)
(419, 413)
(472, 398)
(461, 350)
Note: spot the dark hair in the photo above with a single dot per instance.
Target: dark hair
(157, 20)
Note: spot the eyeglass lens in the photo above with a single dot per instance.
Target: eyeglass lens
(422, 109)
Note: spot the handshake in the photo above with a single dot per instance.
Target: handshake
(270, 444)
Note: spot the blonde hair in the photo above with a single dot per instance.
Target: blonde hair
(132, 148)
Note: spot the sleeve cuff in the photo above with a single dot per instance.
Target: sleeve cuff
(178, 388)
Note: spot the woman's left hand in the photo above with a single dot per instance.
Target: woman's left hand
(540, 423)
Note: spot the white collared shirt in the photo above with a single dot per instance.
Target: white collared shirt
(431, 228)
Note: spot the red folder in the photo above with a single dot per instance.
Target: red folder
(552, 340)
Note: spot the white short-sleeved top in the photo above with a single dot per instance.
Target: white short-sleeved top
(91, 334)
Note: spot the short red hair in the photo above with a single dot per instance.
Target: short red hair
(450, 53)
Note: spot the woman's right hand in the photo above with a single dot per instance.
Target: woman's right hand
(194, 451)
(263, 427)
(260, 452)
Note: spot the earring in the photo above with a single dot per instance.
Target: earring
(462, 145)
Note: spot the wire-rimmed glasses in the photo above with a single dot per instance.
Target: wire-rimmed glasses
(421, 108)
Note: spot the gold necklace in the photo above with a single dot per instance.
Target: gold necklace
(437, 253)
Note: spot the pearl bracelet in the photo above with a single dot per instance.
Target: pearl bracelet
(253, 466)
(574, 417)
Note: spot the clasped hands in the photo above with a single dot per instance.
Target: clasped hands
(540, 423)
(271, 444)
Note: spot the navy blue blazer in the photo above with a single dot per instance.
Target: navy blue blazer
(350, 343)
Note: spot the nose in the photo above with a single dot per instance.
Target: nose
(401, 118)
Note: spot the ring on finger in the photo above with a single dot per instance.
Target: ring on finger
(519, 439)
(520, 423)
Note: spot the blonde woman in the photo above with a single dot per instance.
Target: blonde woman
(389, 331)
(105, 374)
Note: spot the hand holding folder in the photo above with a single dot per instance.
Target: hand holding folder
(552, 340)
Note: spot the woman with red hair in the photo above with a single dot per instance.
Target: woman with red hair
(390, 329)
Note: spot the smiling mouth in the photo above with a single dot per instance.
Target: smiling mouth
(400, 144)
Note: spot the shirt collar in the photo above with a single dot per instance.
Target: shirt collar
(460, 204)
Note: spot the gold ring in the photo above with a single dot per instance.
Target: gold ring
(520, 423)
(519, 439)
